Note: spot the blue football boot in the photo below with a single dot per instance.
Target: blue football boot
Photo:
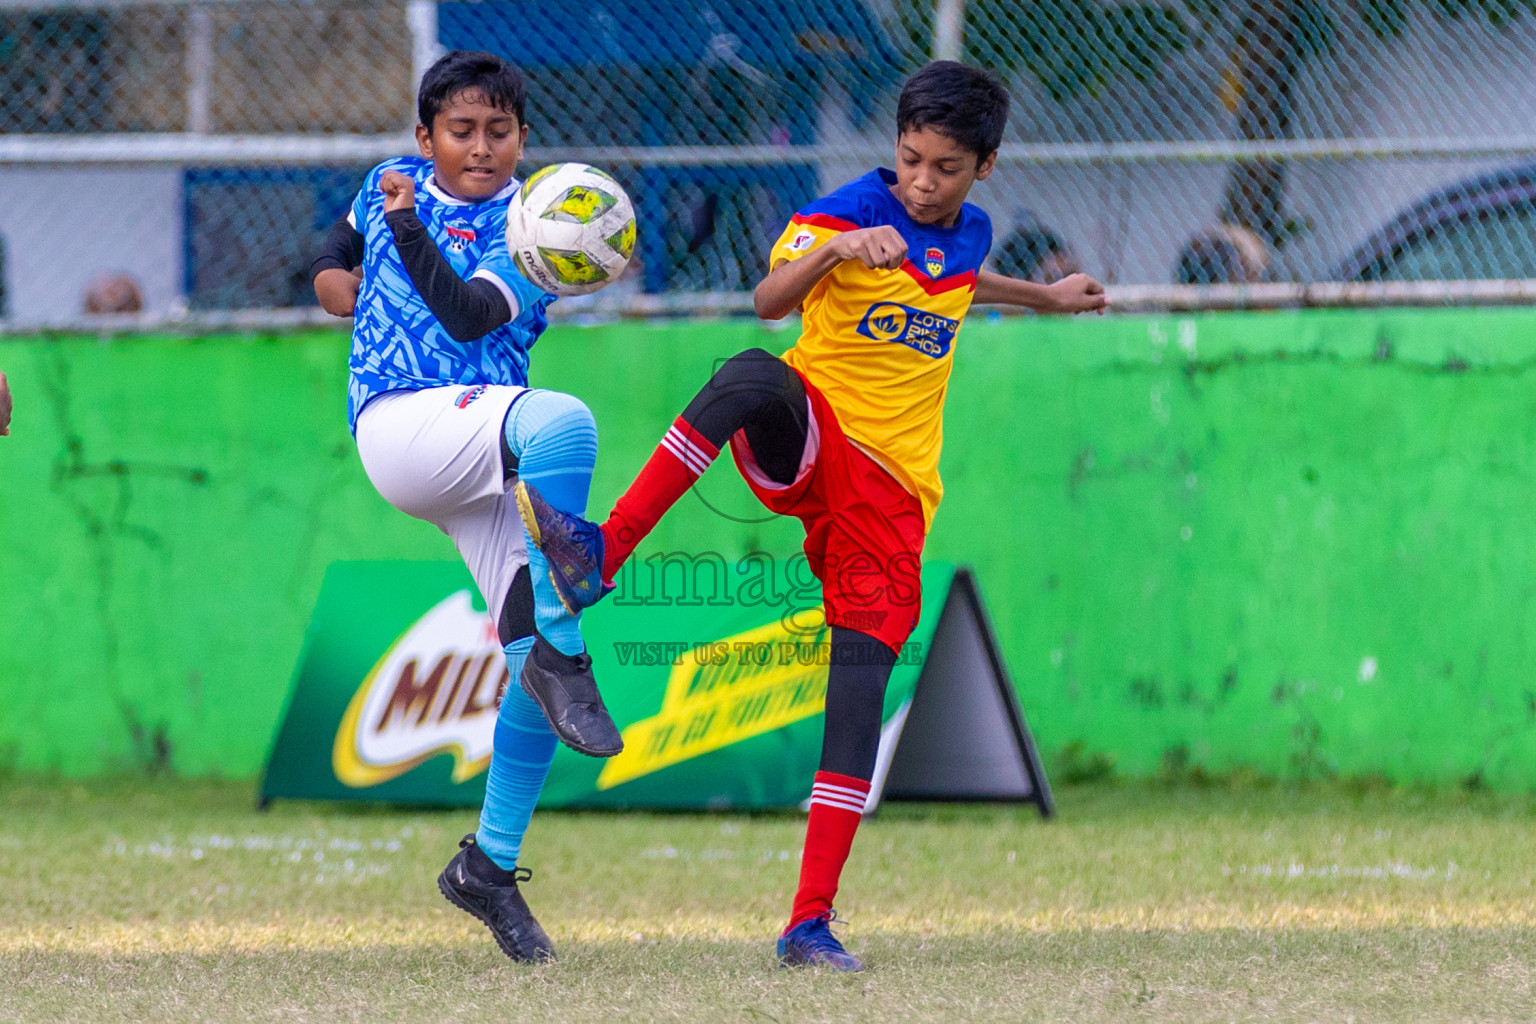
(812, 944)
(573, 546)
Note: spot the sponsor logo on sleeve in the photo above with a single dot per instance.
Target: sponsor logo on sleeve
(435, 691)
(469, 395)
(800, 242)
(915, 328)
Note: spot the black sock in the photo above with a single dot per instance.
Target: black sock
(856, 678)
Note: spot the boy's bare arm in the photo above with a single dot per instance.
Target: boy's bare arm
(783, 290)
(337, 273)
(336, 289)
(1076, 293)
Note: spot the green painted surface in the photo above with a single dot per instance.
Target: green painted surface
(731, 719)
(1300, 543)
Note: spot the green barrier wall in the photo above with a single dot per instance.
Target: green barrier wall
(1296, 543)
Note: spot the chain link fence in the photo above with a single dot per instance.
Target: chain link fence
(176, 156)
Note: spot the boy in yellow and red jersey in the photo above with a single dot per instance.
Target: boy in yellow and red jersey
(844, 431)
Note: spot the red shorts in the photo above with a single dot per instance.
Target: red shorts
(863, 530)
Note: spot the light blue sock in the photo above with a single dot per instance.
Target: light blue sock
(554, 438)
(520, 757)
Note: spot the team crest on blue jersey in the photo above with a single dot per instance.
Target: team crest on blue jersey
(915, 328)
(460, 234)
(469, 396)
(934, 261)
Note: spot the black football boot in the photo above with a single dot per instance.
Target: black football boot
(563, 688)
(475, 884)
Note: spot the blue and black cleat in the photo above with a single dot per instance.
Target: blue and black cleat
(812, 944)
(573, 546)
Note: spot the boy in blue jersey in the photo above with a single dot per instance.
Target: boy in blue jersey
(843, 432)
(445, 422)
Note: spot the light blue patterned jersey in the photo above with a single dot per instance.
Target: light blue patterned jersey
(397, 344)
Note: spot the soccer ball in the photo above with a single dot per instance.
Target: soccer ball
(571, 229)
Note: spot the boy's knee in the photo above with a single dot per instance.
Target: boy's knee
(555, 406)
(543, 410)
(750, 366)
(756, 373)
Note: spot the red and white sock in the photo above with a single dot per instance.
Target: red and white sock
(837, 807)
(681, 458)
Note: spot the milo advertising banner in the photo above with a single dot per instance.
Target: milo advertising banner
(718, 687)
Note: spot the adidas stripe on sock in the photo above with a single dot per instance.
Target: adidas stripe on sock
(681, 458)
(837, 806)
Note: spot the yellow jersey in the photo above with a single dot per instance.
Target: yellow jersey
(879, 344)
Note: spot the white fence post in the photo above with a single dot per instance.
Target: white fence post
(199, 69)
(948, 29)
(421, 16)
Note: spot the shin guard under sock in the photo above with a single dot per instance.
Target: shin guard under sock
(681, 458)
(523, 748)
(555, 440)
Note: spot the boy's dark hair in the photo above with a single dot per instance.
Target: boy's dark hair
(460, 71)
(967, 104)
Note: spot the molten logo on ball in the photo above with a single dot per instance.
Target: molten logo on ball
(571, 229)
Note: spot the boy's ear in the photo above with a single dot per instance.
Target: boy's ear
(424, 140)
(984, 168)
(522, 140)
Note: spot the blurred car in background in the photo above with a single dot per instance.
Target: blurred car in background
(1483, 227)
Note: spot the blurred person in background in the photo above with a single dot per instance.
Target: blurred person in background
(1034, 252)
(1224, 254)
(5, 406)
(112, 293)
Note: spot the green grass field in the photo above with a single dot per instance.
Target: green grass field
(167, 901)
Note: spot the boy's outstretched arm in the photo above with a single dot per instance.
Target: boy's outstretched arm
(337, 272)
(466, 309)
(1076, 293)
(782, 291)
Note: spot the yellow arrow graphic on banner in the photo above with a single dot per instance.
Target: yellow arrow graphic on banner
(724, 692)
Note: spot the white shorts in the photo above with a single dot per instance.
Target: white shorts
(436, 454)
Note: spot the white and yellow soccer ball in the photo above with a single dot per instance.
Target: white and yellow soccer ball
(571, 229)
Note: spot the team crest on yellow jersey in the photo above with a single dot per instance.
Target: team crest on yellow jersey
(933, 260)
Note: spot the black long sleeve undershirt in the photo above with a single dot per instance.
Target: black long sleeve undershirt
(466, 309)
(343, 250)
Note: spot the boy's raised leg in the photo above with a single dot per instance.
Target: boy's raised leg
(585, 556)
(554, 440)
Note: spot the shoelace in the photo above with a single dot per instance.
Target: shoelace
(820, 939)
